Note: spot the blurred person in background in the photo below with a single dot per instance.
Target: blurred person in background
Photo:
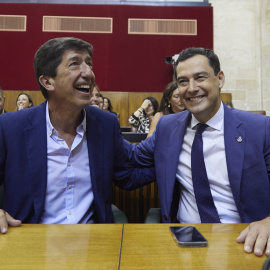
(101, 101)
(24, 101)
(170, 103)
(142, 118)
(107, 106)
(94, 100)
(2, 102)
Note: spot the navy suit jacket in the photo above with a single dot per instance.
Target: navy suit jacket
(23, 162)
(248, 160)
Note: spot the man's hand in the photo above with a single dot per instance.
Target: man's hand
(7, 220)
(256, 237)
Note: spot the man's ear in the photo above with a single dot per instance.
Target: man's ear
(46, 82)
(221, 78)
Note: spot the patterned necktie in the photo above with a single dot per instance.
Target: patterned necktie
(207, 210)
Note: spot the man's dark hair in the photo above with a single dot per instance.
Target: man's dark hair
(49, 56)
(190, 52)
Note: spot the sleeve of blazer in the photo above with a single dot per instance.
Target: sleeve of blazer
(2, 154)
(126, 174)
(267, 147)
(141, 155)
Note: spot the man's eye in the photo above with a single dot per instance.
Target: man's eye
(182, 82)
(90, 65)
(73, 64)
(200, 78)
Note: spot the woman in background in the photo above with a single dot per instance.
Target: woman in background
(107, 106)
(170, 103)
(101, 101)
(24, 101)
(142, 118)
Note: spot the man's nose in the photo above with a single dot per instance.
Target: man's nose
(192, 86)
(87, 71)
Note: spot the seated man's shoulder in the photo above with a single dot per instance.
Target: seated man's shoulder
(249, 116)
(253, 121)
(15, 115)
(99, 114)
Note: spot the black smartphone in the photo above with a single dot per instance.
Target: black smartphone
(188, 236)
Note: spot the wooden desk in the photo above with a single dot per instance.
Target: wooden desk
(144, 246)
(151, 246)
(95, 246)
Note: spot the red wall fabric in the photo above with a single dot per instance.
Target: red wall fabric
(122, 62)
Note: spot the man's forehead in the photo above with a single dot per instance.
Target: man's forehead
(198, 63)
(72, 53)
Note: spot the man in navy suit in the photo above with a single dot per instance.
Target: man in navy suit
(236, 149)
(58, 160)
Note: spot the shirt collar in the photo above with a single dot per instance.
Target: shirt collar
(51, 130)
(216, 122)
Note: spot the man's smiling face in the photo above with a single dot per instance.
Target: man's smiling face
(199, 87)
(75, 79)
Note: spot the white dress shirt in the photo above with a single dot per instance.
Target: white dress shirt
(216, 168)
(69, 195)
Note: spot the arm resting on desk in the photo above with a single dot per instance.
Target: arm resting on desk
(256, 237)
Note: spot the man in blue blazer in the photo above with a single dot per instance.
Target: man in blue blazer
(58, 160)
(236, 149)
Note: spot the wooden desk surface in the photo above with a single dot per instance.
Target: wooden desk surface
(151, 246)
(95, 246)
(144, 246)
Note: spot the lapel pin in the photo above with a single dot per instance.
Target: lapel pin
(239, 139)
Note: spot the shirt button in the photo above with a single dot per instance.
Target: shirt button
(70, 186)
(69, 212)
(69, 163)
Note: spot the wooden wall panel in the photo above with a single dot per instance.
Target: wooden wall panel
(124, 103)
(119, 102)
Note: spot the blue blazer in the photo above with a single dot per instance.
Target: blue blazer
(248, 160)
(23, 162)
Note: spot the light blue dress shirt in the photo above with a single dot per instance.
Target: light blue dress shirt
(69, 195)
(217, 172)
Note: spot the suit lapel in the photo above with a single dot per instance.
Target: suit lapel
(174, 147)
(36, 145)
(234, 139)
(95, 144)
